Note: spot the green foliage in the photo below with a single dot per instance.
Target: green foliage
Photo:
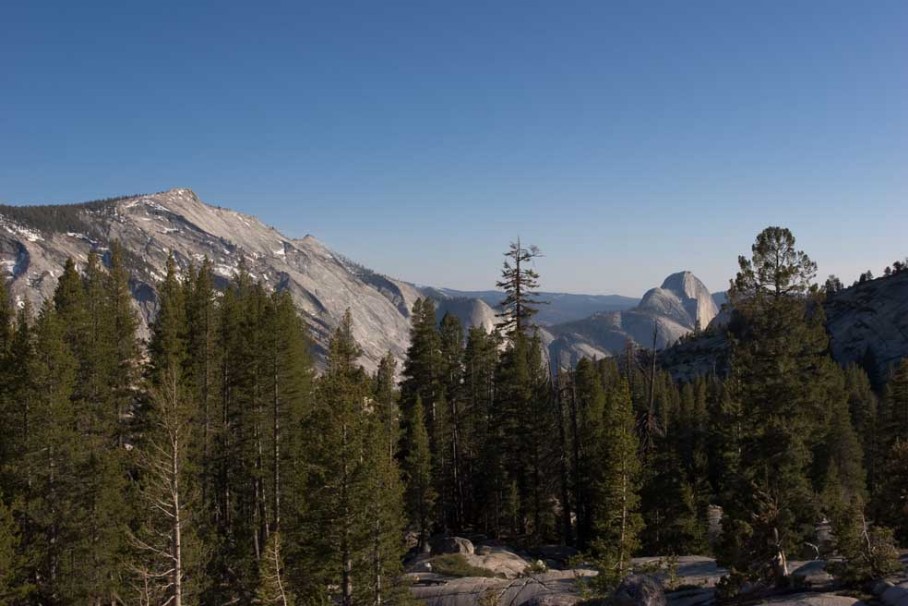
(417, 467)
(519, 283)
(456, 565)
(618, 521)
(892, 497)
(9, 543)
(783, 380)
(61, 217)
(350, 545)
(298, 488)
(273, 588)
(867, 551)
(167, 551)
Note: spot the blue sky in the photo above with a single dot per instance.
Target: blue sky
(627, 139)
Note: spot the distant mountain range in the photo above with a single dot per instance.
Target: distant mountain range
(35, 241)
(560, 307)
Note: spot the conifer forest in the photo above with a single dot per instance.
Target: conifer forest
(208, 460)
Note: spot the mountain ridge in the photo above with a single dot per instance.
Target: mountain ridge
(36, 240)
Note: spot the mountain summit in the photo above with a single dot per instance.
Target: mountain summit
(35, 242)
(665, 314)
(684, 299)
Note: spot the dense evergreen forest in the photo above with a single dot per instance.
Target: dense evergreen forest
(213, 465)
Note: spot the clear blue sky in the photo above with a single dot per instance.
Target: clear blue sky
(627, 139)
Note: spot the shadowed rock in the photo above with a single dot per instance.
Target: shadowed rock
(639, 590)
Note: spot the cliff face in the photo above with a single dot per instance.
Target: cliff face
(665, 314)
(34, 244)
(867, 324)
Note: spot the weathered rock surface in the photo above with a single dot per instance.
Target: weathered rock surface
(639, 590)
(323, 283)
(500, 560)
(698, 575)
(870, 320)
(679, 306)
(866, 323)
(555, 588)
(35, 243)
(441, 544)
(812, 574)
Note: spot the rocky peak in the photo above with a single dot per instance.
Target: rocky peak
(683, 298)
(35, 244)
(672, 310)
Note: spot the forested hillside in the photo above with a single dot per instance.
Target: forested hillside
(213, 465)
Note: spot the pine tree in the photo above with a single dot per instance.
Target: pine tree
(167, 346)
(618, 521)
(892, 498)
(895, 405)
(339, 482)
(53, 519)
(167, 550)
(417, 467)
(289, 388)
(386, 397)
(451, 338)
(385, 519)
(479, 462)
(780, 378)
(422, 366)
(519, 282)
(202, 363)
(9, 543)
(587, 436)
(273, 588)
(863, 407)
(118, 305)
(8, 406)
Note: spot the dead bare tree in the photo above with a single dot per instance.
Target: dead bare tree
(162, 456)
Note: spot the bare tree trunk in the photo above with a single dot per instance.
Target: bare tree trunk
(161, 537)
(177, 579)
(346, 548)
(276, 453)
(376, 557)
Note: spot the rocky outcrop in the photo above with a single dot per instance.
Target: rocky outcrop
(36, 241)
(441, 544)
(868, 323)
(638, 590)
(472, 312)
(34, 244)
(665, 314)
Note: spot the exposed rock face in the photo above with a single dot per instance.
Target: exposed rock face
(35, 243)
(558, 588)
(870, 321)
(472, 312)
(683, 298)
(639, 590)
(323, 283)
(867, 324)
(679, 306)
(441, 544)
